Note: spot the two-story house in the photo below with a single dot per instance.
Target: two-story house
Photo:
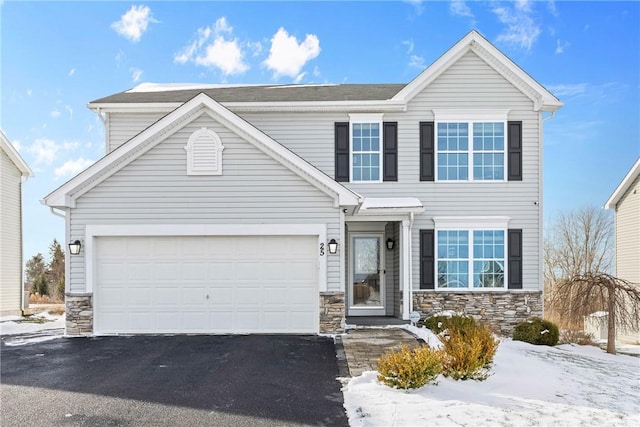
(286, 208)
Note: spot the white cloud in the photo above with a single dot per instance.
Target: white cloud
(409, 44)
(561, 46)
(70, 145)
(521, 30)
(72, 167)
(29, 92)
(460, 8)
(69, 110)
(573, 89)
(71, 72)
(134, 23)
(55, 113)
(287, 56)
(212, 49)
(44, 150)
(136, 73)
(417, 4)
(416, 61)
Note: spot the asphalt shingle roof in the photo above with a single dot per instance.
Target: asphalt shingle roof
(266, 93)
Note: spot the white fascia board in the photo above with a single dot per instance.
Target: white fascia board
(543, 99)
(14, 156)
(626, 182)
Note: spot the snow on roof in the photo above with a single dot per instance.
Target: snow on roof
(169, 87)
(371, 203)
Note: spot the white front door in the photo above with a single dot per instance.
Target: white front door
(366, 272)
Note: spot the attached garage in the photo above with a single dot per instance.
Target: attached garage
(206, 284)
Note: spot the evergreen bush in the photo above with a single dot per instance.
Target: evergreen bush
(537, 331)
(409, 368)
(468, 351)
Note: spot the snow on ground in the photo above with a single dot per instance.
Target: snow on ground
(566, 385)
(13, 325)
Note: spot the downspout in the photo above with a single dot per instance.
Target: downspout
(540, 207)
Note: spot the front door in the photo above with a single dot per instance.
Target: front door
(366, 266)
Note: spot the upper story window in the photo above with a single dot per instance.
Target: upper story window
(366, 147)
(204, 153)
(470, 145)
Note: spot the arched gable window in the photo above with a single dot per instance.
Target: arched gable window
(204, 153)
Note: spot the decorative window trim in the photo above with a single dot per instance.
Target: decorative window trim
(471, 116)
(358, 118)
(471, 222)
(213, 164)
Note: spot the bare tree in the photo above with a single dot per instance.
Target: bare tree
(584, 293)
(577, 243)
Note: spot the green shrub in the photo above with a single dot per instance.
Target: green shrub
(537, 331)
(409, 368)
(437, 324)
(468, 351)
(39, 285)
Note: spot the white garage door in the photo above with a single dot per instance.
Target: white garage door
(206, 284)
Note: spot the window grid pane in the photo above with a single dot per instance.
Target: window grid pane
(488, 259)
(453, 259)
(488, 151)
(453, 151)
(366, 152)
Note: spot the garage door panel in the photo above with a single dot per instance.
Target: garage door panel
(206, 284)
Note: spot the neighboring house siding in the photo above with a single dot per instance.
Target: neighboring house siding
(628, 234)
(121, 127)
(10, 229)
(155, 189)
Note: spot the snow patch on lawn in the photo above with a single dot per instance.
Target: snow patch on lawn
(530, 385)
(13, 325)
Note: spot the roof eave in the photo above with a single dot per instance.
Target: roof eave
(626, 182)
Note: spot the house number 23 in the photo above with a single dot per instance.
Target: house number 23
(321, 249)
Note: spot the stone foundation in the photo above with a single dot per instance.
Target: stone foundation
(79, 314)
(501, 311)
(331, 312)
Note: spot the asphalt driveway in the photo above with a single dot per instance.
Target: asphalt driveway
(172, 380)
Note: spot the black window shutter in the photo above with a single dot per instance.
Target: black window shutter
(514, 154)
(342, 151)
(515, 258)
(427, 259)
(427, 151)
(390, 151)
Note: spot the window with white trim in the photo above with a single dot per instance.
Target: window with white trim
(478, 147)
(204, 153)
(366, 147)
(470, 259)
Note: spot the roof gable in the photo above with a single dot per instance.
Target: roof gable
(65, 195)
(476, 43)
(621, 190)
(14, 156)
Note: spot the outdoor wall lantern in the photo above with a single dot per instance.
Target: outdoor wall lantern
(333, 246)
(391, 243)
(74, 248)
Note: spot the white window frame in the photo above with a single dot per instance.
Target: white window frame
(471, 224)
(366, 119)
(470, 117)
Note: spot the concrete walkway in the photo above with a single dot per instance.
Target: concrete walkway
(364, 346)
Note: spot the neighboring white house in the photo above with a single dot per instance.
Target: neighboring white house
(288, 208)
(13, 171)
(625, 202)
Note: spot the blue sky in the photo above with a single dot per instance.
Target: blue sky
(58, 56)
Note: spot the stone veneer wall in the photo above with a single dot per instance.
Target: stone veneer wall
(331, 312)
(501, 311)
(79, 314)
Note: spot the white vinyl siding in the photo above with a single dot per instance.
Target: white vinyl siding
(155, 189)
(627, 218)
(10, 237)
(121, 127)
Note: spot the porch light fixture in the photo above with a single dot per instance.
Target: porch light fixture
(333, 246)
(74, 248)
(391, 243)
